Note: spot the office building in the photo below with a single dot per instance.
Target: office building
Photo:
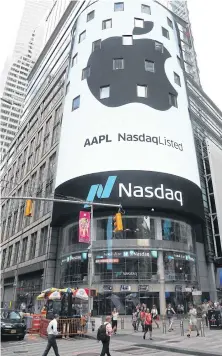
(120, 141)
(29, 43)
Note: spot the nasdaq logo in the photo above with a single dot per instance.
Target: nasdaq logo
(97, 190)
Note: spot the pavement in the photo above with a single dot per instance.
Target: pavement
(173, 342)
(125, 343)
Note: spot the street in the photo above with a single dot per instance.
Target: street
(34, 346)
(125, 343)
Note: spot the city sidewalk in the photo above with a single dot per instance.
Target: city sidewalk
(209, 345)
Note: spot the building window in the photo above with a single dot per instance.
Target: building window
(43, 240)
(9, 256)
(74, 59)
(67, 87)
(96, 45)
(24, 249)
(149, 66)
(82, 36)
(106, 24)
(165, 33)
(179, 61)
(90, 15)
(105, 92)
(139, 23)
(159, 46)
(146, 9)
(127, 40)
(76, 103)
(173, 100)
(85, 73)
(14, 222)
(33, 245)
(177, 79)
(142, 91)
(3, 258)
(118, 63)
(170, 23)
(119, 6)
(16, 253)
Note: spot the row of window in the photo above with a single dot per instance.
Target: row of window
(106, 24)
(141, 90)
(119, 6)
(20, 254)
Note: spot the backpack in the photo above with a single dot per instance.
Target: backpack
(101, 333)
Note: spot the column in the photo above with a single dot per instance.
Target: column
(212, 282)
(160, 265)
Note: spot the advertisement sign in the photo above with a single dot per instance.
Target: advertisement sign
(125, 254)
(125, 288)
(107, 260)
(148, 124)
(84, 227)
(107, 288)
(143, 288)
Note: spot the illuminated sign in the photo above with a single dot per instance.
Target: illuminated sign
(108, 260)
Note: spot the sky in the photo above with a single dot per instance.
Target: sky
(206, 27)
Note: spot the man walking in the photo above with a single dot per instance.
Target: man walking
(104, 333)
(52, 332)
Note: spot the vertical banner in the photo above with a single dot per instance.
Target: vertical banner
(84, 227)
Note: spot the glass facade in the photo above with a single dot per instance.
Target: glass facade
(127, 264)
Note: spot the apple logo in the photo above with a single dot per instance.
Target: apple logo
(123, 83)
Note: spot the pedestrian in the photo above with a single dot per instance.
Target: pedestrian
(142, 319)
(205, 309)
(103, 335)
(148, 324)
(52, 332)
(193, 320)
(170, 312)
(134, 320)
(154, 313)
(115, 315)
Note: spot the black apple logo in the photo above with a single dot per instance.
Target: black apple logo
(123, 83)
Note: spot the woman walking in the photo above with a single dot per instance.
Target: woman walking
(193, 320)
(115, 315)
(154, 313)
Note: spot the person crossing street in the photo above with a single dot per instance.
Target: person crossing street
(52, 333)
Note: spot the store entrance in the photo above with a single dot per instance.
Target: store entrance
(124, 302)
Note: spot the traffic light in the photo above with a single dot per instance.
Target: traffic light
(28, 207)
(118, 223)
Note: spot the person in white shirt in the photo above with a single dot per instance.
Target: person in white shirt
(115, 315)
(154, 313)
(106, 341)
(193, 320)
(52, 333)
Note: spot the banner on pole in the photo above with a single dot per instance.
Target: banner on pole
(84, 227)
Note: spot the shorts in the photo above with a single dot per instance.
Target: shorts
(155, 317)
(148, 327)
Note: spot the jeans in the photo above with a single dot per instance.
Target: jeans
(51, 343)
(105, 349)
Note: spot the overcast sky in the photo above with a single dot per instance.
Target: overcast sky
(206, 26)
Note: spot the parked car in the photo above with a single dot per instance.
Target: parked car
(12, 324)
